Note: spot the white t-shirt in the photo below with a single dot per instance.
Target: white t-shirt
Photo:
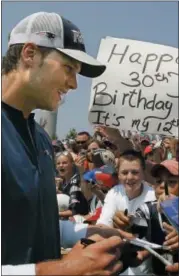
(117, 200)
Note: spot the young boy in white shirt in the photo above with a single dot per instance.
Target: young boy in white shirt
(128, 195)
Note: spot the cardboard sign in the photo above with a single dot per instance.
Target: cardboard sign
(139, 89)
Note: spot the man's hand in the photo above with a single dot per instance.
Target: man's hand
(110, 133)
(121, 221)
(106, 232)
(172, 238)
(115, 137)
(100, 258)
(79, 162)
(132, 259)
(143, 255)
(65, 214)
(172, 268)
(58, 182)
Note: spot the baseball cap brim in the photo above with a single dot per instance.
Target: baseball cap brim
(53, 31)
(165, 165)
(91, 67)
(106, 175)
(148, 150)
(90, 176)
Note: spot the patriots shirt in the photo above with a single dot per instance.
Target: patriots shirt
(78, 203)
(156, 234)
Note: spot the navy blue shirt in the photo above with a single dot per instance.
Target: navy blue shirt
(30, 223)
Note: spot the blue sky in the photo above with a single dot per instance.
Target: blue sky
(148, 21)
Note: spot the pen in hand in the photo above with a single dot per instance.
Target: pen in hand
(166, 188)
(125, 212)
(86, 242)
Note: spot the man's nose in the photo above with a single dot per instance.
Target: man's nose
(73, 82)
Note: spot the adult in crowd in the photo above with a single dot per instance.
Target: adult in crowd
(70, 186)
(84, 159)
(166, 148)
(39, 67)
(93, 145)
(82, 139)
(80, 149)
(125, 198)
(175, 149)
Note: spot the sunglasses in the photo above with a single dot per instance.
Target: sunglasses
(81, 142)
(91, 150)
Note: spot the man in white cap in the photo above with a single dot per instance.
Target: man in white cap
(44, 55)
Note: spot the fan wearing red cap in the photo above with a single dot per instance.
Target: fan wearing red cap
(166, 172)
(166, 175)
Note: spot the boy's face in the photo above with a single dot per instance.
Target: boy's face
(172, 181)
(130, 174)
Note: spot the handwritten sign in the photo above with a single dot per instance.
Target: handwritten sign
(139, 89)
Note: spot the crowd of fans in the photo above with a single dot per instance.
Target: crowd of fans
(107, 177)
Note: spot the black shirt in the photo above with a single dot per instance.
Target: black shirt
(157, 235)
(78, 203)
(30, 224)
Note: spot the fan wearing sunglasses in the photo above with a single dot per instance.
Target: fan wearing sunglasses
(84, 160)
(82, 139)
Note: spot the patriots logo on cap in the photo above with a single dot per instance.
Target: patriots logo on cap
(77, 37)
(48, 34)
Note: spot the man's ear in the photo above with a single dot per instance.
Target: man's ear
(28, 53)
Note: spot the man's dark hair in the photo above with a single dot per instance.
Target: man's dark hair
(132, 155)
(11, 59)
(84, 133)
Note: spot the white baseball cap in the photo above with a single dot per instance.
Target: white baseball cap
(54, 31)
